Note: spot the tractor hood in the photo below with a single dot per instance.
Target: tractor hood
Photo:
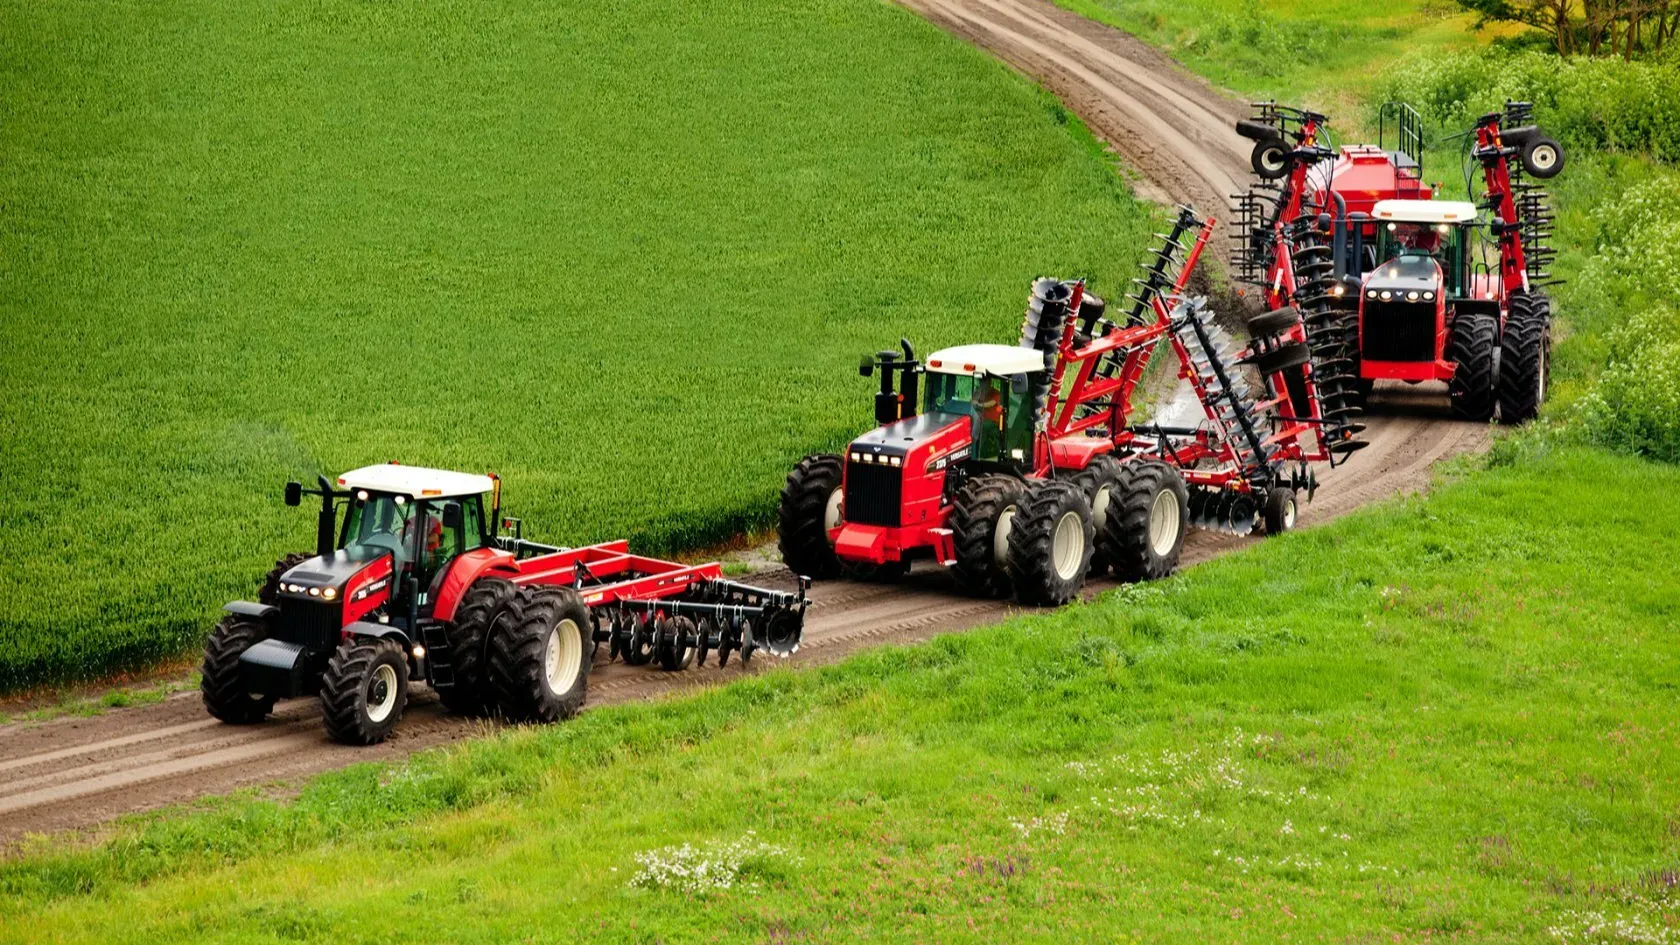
(1400, 278)
(900, 438)
(335, 572)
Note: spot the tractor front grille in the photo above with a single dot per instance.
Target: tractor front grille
(316, 626)
(1403, 331)
(874, 494)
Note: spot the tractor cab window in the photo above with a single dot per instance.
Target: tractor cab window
(1442, 242)
(949, 393)
(381, 522)
(472, 522)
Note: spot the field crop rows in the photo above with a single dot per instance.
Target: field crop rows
(624, 255)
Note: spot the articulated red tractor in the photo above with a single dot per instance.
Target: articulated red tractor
(1394, 284)
(1017, 466)
(416, 583)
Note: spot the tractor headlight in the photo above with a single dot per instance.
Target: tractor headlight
(869, 457)
(1412, 296)
(328, 593)
(1337, 290)
(1429, 296)
(857, 457)
(314, 592)
(1371, 294)
(897, 460)
(1386, 295)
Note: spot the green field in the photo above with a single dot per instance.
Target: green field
(1449, 718)
(625, 255)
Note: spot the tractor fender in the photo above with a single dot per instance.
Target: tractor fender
(381, 631)
(275, 668)
(245, 608)
(463, 571)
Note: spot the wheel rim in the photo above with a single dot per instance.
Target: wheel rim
(833, 514)
(562, 655)
(1273, 159)
(1068, 545)
(1000, 536)
(1289, 513)
(1099, 508)
(1540, 389)
(382, 693)
(1543, 157)
(1163, 523)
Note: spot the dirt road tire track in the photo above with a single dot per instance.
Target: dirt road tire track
(1171, 127)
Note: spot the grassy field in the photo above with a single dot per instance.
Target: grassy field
(626, 255)
(1443, 718)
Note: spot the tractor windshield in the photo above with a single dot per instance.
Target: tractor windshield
(1443, 242)
(388, 522)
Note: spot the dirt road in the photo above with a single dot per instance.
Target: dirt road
(1170, 126)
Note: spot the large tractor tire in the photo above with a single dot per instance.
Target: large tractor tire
(1474, 342)
(982, 518)
(1525, 358)
(1100, 481)
(487, 604)
(270, 592)
(224, 696)
(539, 665)
(1050, 543)
(810, 508)
(364, 690)
(1147, 521)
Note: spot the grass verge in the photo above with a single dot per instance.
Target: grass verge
(1443, 717)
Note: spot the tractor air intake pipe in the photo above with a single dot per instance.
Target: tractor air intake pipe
(893, 405)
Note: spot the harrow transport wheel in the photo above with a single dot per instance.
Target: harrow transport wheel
(1147, 521)
(270, 593)
(1475, 338)
(364, 690)
(224, 696)
(539, 665)
(810, 508)
(487, 603)
(1279, 511)
(982, 518)
(1272, 322)
(1270, 159)
(1525, 358)
(1050, 543)
(1285, 357)
(1542, 156)
(1100, 481)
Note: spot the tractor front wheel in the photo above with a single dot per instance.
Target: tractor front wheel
(1147, 521)
(486, 605)
(539, 665)
(810, 509)
(1525, 358)
(1050, 543)
(364, 690)
(225, 696)
(981, 520)
(1475, 339)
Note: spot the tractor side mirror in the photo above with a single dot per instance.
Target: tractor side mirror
(452, 515)
(294, 493)
(866, 367)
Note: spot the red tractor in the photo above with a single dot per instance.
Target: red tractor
(1396, 285)
(416, 583)
(1018, 466)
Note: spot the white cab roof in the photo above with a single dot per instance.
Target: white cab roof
(1001, 360)
(416, 481)
(1425, 211)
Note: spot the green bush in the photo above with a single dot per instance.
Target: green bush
(1636, 404)
(1605, 104)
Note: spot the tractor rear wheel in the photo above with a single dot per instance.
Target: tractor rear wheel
(539, 664)
(364, 690)
(225, 696)
(1525, 357)
(1147, 521)
(1100, 481)
(1475, 339)
(1280, 510)
(270, 592)
(981, 520)
(1050, 543)
(489, 602)
(810, 508)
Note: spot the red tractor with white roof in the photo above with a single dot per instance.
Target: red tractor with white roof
(1019, 466)
(1395, 285)
(417, 582)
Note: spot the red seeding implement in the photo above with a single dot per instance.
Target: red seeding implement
(1393, 284)
(415, 585)
(1019, 468)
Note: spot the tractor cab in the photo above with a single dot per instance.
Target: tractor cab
(1422, 262)
(993, 386)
